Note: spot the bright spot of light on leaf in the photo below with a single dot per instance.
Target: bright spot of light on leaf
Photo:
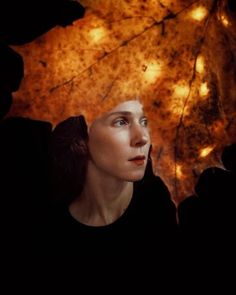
(181, 90)
(200, 64)
(179, 96)
(198, 13)
(178, 170)
(152, 70)
(206, 151)
(97, 34)
(204, 90)
(224, 20)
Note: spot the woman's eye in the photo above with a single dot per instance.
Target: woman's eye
(144, 122)
(120, 122)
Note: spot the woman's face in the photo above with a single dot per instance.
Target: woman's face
(119, 142)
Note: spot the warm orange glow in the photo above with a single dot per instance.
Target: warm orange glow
(181, 90)
(199, 13)
(203, 90)
(224, 20)
(179, 96)
(178, 171)
(152, 70)
(177, 107)
(200, 64)
(218, 127)
(97, 34)
(206, 151)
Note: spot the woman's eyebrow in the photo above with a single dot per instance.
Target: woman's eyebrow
(123, 113)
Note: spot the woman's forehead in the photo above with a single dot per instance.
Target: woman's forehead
(128, 106)
(131, 107)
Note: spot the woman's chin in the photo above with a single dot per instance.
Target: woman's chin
(135, 177)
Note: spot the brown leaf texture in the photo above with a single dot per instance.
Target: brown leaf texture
(178, 57)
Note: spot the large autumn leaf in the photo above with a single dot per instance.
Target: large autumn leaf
(177, 56)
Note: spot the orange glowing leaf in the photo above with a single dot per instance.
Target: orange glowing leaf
(176, 56)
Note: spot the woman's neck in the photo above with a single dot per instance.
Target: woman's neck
(102, 201)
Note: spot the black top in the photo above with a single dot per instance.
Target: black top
(147, 226)
(137, 249)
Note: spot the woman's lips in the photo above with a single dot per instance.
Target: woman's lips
(139, 160)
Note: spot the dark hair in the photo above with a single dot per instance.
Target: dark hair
(68, 159)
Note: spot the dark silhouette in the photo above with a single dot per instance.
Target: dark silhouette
(207, 224)
(23, 21)
(23, 181)
(11, 73)
(210, 212)
(229, 157)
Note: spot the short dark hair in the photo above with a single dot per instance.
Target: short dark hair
(68, 159)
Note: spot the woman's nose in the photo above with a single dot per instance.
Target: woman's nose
(140, 136)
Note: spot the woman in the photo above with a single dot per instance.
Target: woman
(108, 200)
